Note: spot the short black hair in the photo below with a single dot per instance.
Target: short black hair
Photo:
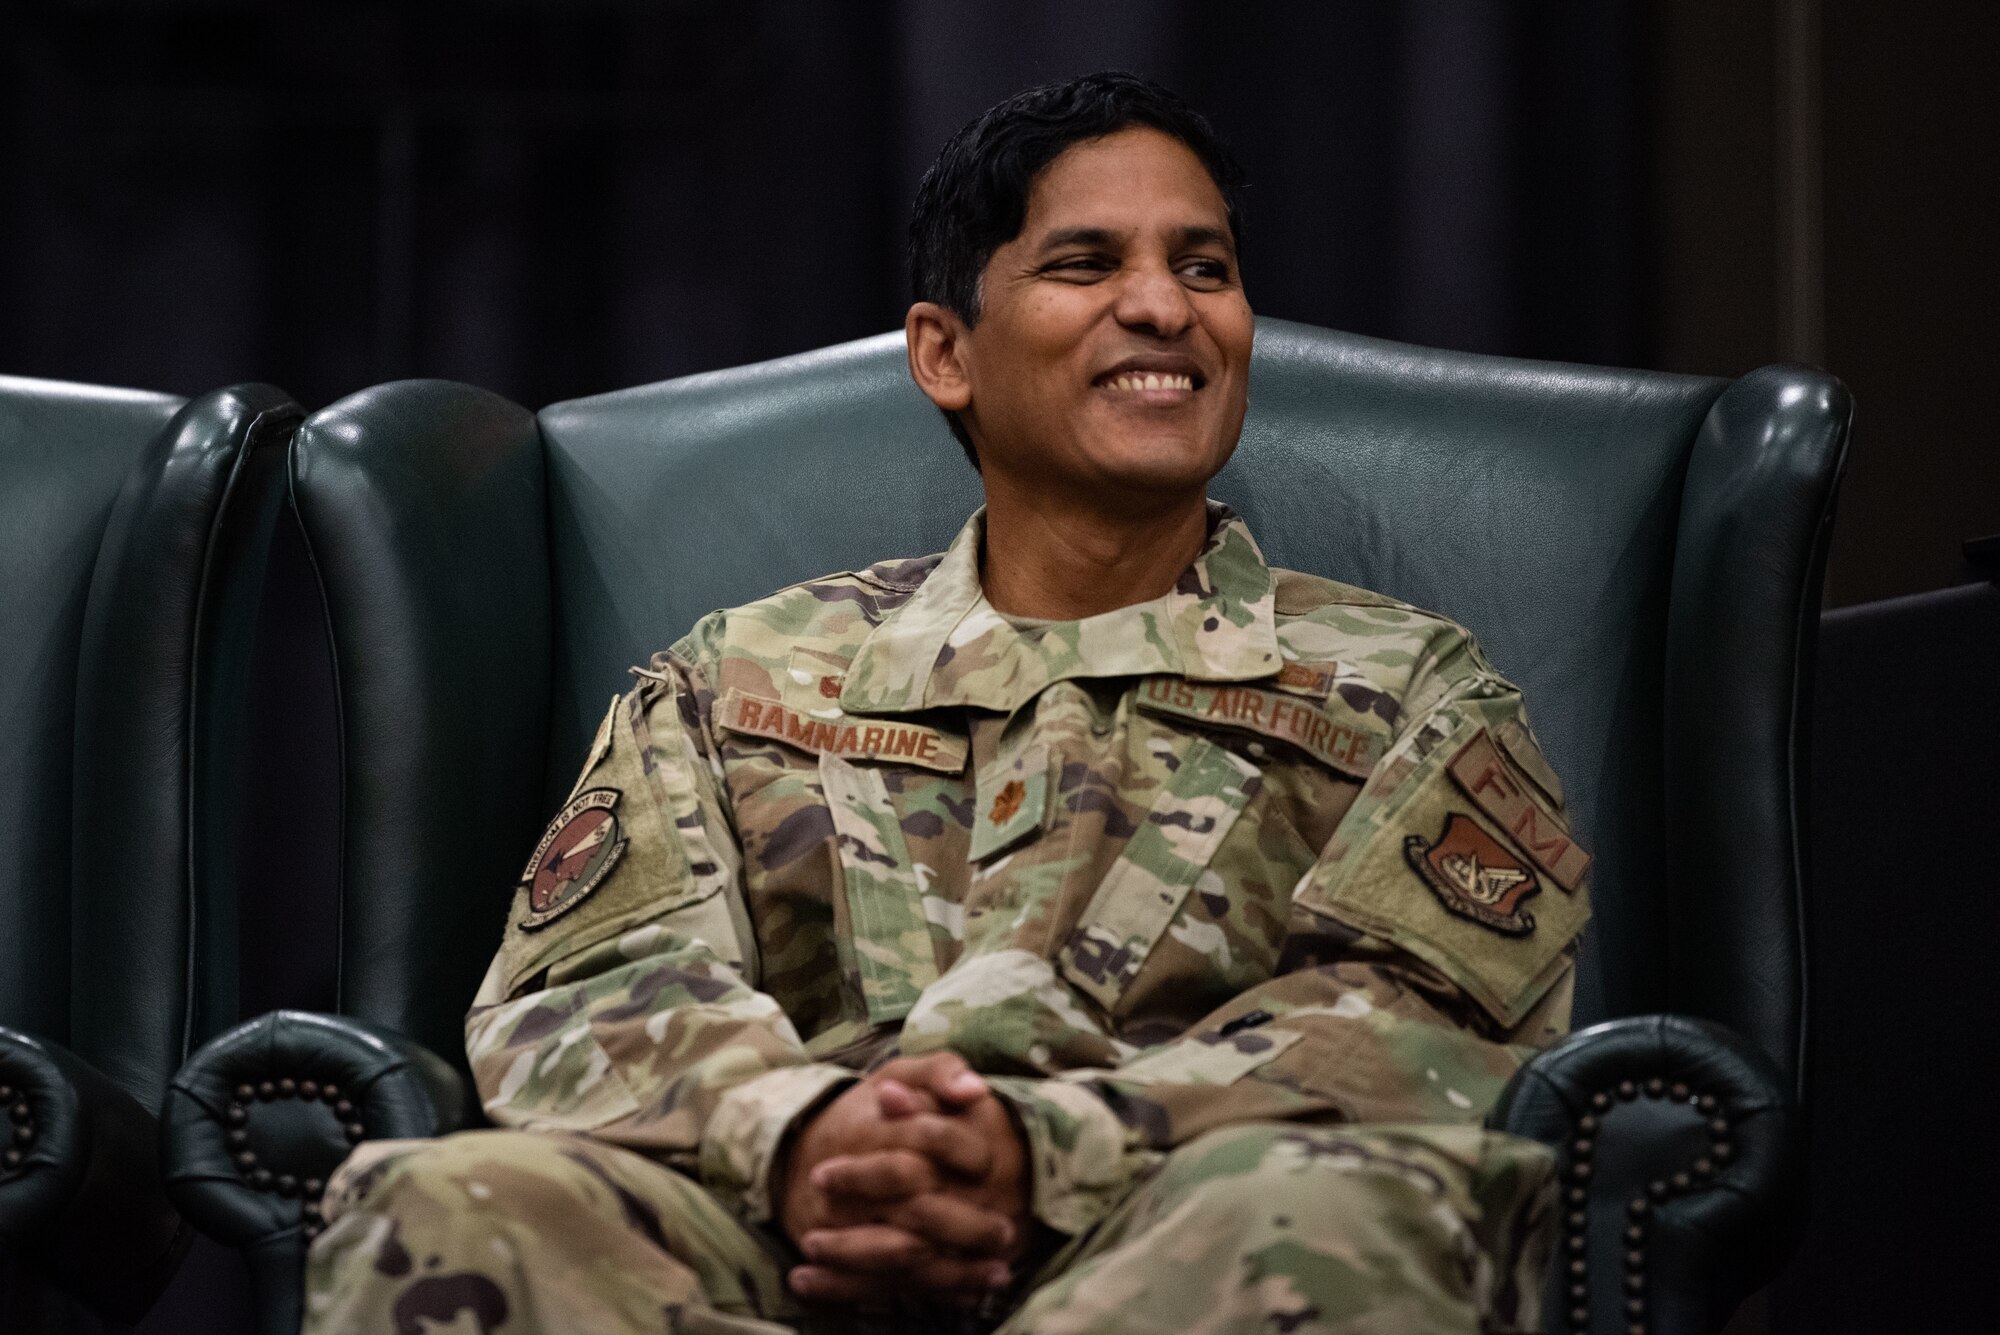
(974, 198)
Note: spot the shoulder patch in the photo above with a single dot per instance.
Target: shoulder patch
(1474, 876)
(1487, 775)
(582, 845)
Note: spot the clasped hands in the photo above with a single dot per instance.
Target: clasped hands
(914, 1178)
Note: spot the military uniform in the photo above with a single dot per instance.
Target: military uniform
(1247, 900)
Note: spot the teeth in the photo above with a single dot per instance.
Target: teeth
(1133, 381)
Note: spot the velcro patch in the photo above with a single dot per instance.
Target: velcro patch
(1012, 802)
(1474, 876)
(1305, 679)
(1339, 740)
(582, 845)
(838, 734)
(1488, 777)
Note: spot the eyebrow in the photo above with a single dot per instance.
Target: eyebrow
(1102, 236)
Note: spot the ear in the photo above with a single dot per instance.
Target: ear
(936, 344)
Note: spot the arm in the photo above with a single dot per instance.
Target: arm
(1429, 954)
(622, 1001)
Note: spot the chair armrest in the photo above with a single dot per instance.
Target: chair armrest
(259, 1118)
(1682, 1189)
(80, 1190)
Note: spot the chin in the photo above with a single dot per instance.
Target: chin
(1162, 465)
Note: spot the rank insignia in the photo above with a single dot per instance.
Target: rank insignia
(581, 847)
(1474, 876)
(1013, 803)
(1008, 802)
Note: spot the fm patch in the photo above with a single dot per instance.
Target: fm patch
(1474, 876)
(581, 847)
(1489, 779)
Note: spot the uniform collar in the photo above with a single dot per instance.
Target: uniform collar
(948, 646)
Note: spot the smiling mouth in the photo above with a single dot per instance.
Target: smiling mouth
(1131, 381)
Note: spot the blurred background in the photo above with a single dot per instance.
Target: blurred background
(553, 198)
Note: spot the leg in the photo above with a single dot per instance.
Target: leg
(525, 1232)
(1274, 1228)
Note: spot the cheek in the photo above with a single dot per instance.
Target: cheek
(1235, 331)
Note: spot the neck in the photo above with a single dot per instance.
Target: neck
(1064, 562)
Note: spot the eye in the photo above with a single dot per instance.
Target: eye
(1205, 272)
(1080, 268)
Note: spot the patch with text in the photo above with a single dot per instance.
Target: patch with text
(581, 847)
(1489, 778)
(1346, 744)
(842, 735)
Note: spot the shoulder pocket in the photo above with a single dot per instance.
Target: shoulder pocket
(1468, 869)
(637, 841)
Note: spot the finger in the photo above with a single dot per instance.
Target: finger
(951, 1142)
(879, 1175)
(899, 1100)
(954, 1225)
(865, 1248)
(968, 1279)
(822, 1285)
(956, 1275)
(943, 1074)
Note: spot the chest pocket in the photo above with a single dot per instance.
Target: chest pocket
(892, 952)
(1145, 888)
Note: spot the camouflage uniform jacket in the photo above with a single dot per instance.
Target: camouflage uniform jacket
(1266, 848)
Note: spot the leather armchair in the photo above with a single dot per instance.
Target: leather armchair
(132, 528)
(1641, 552)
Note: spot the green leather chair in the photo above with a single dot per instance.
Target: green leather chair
(1642, 552)
(132, 528)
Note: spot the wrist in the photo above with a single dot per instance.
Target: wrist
(757, 1129)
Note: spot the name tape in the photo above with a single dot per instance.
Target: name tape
(848, 738)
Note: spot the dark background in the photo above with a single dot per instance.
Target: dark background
(558, 197)
(553, 198)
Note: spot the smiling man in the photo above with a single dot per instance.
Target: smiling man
(1088, 929)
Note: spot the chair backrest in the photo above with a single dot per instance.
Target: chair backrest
(132, 531)
(65, 451)
(1640, 551)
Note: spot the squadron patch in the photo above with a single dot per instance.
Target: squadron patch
(1474, 876)
(581, 847)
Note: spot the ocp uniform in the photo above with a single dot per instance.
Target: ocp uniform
(1268, 848)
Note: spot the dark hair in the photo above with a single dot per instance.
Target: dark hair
(974, 198)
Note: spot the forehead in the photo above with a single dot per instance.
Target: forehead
(1131, 179)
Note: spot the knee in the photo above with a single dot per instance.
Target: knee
(1256, 1181)
(455, 1173)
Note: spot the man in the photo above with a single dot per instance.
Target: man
(1089, 929)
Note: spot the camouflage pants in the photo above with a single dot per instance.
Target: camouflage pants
(1261, 1227)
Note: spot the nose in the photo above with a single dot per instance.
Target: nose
(1152, 300)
